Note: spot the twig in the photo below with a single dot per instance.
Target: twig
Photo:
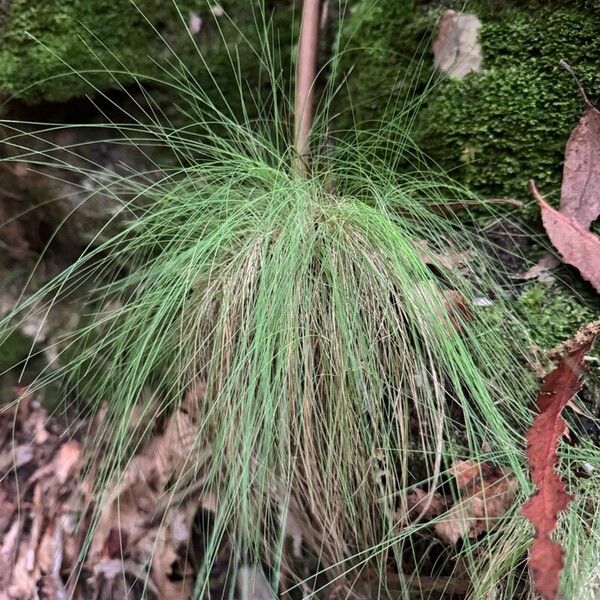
(534, 192)
(579, 338)
(436, 470)
(563, 63)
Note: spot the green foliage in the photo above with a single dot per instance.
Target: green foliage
(385, 45)
(57, 27)
(555, 314)
(305, 303)
(45, 46)
(329, 348)
(496, 130)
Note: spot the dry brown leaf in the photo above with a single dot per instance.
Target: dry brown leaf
(64, 464)
(418, 498)
(540, 270)
(110, 577)
(41, 543)
(580, 191)
(127, 526)
(7, 509)
(458, 309)
(578, 247)
(48, 549)
(448, 261)
(31, 415)
(455, 304)
(15, 457)
(469, 472)
(486, 494)
(8, 551)
(449, 306)
(52, 588)
(31, 551)
(67, 461)
(568, 228)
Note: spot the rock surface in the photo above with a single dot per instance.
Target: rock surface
(456, 48)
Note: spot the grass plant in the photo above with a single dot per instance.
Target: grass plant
(341, 371)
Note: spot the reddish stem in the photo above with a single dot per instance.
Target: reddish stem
(305, 79)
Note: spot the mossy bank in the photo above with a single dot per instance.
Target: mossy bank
(55, 51)
(496, 129)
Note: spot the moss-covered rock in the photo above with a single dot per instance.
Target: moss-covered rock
(511, 123)
(42, 44)
(500, 128)
(41, 41)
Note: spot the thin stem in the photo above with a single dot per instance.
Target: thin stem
(305, 79)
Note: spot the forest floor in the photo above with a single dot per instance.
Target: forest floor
(138, 544)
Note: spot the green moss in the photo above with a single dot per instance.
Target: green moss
(555, 314)
(386, 51)
(41, 42)
(496, 130)
(13, 350)
(511, 123)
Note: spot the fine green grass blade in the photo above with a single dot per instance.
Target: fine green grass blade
(338, 373)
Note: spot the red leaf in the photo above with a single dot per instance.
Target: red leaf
(551, 497)
(578, 247)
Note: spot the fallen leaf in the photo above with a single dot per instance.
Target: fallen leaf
(15, 457)
(458, 309)
(50, 548)
(42, 543)
(7, 509)
(578, 247)
(449, 306)
(67, 460)
(63, 465)
(455, 304)
(540, 270)
(579, 202)
(469, 472)
(486, 493)
(447, 261)
(111, 577)
(419, 499)
(580, 191)
(551, 497)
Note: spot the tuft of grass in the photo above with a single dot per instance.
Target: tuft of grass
(339, 372)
